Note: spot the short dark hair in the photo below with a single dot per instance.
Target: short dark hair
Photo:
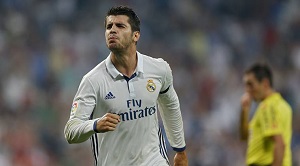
(261, 71)
(134, 20)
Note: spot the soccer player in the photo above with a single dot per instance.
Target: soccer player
(116, 104)
(270, 129)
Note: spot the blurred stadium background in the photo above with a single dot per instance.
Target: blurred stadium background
(47, 46)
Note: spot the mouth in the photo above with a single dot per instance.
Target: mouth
(112, 39)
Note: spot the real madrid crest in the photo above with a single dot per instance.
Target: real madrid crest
(151, 86)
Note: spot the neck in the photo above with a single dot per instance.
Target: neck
(268, 93)
(125, 62)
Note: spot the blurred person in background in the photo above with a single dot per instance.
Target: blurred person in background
(116, 103)
(269, 132)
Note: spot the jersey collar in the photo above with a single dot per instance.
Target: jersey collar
(115, 73)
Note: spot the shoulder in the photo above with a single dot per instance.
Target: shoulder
(159, 68)
(276, 103)
(282, 104)
(94, 73)
(152, 59)
(158, 64)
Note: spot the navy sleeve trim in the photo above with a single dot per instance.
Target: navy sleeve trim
(95, 126)
(179, 149)
(165, 91)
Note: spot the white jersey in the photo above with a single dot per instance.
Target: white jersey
(137, 139)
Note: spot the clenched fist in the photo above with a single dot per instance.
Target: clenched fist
(108, 122)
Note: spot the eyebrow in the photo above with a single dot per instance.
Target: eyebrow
(116, 23)
(121, 24)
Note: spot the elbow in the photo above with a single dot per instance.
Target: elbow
(74, 140)
(69, 136)
(281, 145)
(76, 134)
(243, 137)
(243, 131)
(71, 139)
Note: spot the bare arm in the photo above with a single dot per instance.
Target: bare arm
(279, 147)
(244, 116)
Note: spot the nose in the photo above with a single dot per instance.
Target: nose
(113, 29)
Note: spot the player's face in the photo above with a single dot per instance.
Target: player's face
(254, 87)
(118, 33)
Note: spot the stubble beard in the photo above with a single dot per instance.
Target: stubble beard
(118, 48)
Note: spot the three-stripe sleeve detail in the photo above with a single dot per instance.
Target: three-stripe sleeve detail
(162, 146)
(94, 144)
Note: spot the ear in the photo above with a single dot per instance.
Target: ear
(136, 36)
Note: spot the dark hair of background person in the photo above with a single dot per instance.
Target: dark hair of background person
(261, 71)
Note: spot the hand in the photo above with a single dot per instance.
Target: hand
(246, 101)
(108, 122)
(180, 159)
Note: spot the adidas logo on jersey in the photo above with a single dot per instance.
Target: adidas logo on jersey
(109, 96)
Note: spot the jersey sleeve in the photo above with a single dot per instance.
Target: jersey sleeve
(270, 120)
(170, 112)
(79, 127)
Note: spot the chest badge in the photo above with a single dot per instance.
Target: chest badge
(151, 86)
(74, 106)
